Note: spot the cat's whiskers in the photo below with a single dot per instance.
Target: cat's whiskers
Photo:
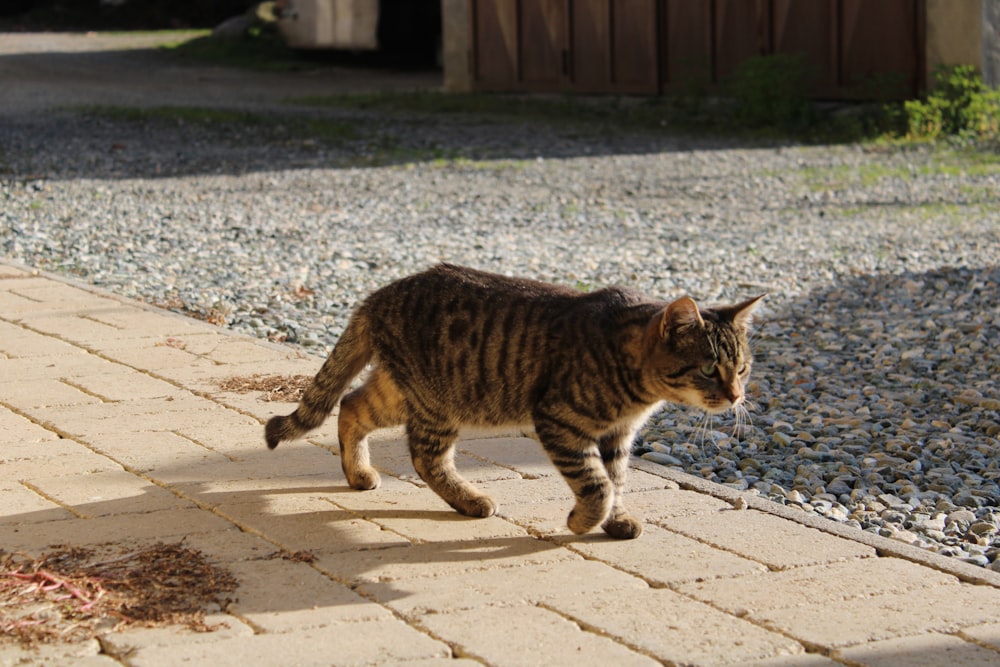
(706, 419)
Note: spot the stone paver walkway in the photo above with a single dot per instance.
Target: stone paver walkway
(113, 428)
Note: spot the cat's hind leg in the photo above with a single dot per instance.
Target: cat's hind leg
(432, 448)
(615, 449)
(378, 403)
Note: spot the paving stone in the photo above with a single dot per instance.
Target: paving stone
(420, 515)
(12, 273)
(158, 359)
(525, 585)
(392, 456)
(46, 367)
(640, 480)
(987, 634)
(279, 595)
(528, 636)
(674, 628)
(103, 493)
(832, 583)
(799, 660)
(751, 534)
(74, 326)
(132, 322)
(439, 559)
(18, 342)
(154, 451)
(164, 526)
(128, 641)
(661, 557)
(379, 642)
(20, 438)
(28, 395)
(57, 299)
(242, 481)
(661, 504)
(542, 505)
(149, 414)
(236, 435)
(524, 455)
(943, 608)
(84, 654)
(232, 545)
(233, 349)
(929, 650)
(120, 383)
(21, 505)
(73, 460)
(308, 522)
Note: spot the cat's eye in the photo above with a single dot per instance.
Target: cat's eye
(708, 370)
(744, 369)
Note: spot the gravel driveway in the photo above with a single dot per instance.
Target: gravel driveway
(876, 392)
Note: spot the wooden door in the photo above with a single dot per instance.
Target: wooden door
(686, 40)
(544, 44)
(879, 46)
(494, 44)
(809, 29)
(614, 46)
(741, 32)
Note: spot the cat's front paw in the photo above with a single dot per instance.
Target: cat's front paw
(623, 527)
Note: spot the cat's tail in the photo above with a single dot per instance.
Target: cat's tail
(349, 357)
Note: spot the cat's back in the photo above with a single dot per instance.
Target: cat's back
(459, 306)
(447, 289)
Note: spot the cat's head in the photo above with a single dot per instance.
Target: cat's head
(701, 356)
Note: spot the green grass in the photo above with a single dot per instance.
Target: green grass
(943, 161)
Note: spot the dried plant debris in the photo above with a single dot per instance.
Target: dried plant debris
(294, 556)
(280, 388)
(72, 594)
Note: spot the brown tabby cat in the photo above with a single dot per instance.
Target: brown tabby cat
(454, 347)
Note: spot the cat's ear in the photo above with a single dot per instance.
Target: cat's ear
(682, 312)
(742, 313)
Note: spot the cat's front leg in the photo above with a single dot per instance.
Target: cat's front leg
(615, 450)
(576, 456)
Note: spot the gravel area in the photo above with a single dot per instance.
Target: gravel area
(875, 391)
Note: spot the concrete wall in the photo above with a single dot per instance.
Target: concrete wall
(455, 47)
(954, 35)
(991, 42)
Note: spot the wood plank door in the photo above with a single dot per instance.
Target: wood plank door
(742, 31)
(686, 46)
(809, 29)
(614, 46)
(544, 44)
(494, 28)
(880, 43)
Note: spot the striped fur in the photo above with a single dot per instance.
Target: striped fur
(454, 347)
